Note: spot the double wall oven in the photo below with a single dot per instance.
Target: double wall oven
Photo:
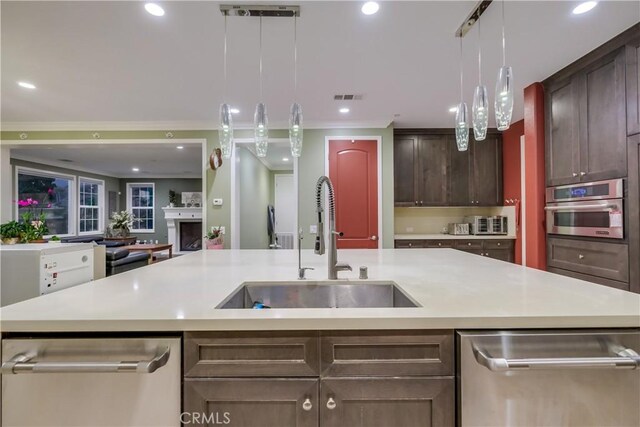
(593, 209)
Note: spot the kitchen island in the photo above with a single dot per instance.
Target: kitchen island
(455, 290)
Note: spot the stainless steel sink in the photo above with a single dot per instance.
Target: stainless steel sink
(327, 294)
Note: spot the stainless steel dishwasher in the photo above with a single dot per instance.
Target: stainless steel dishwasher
(91, 382)
(556, 378)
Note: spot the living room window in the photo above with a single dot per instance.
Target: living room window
(90, 206)
(141, 203)
(48, 193)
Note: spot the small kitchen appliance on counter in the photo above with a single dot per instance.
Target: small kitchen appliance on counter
(458, 229)
(487, 225)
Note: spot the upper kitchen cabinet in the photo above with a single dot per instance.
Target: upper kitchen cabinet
(590, 108)
(633, 85)
(430, 171)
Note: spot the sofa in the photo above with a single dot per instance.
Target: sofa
(118, 258)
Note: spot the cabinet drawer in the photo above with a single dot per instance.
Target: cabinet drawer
(250, 354)
(593, 279)
(439, 243)
(401, 244)
(397, 353)
(608, 260)
(467, 244)
(498, 244)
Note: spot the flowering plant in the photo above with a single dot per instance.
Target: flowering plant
(120, 225)
(34, 225)
(214, 237)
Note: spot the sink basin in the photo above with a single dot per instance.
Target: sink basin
(321, 294)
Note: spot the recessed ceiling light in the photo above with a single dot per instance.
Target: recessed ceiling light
(453, 109)
(285, 159)
(370, 7)
(135, 169)
(234, 111)
(154, 9)
(180, 147)
(584, 7)
(27, 85)
(344, 110)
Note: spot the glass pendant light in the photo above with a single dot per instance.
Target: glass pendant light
(260, 118)
(462, 123)
(295, 115)
(225, 122)
(503, 103)
(480, 106)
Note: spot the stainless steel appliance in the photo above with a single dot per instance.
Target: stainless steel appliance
(593, 209)
(487, 225)
(91, 382)
(539, 378)
(458, 228)
(35, 269)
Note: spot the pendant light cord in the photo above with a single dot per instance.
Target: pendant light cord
(295, 57)
(479, 55)
(461, 76)
(261, 100)
(224, 94)
(504, 45)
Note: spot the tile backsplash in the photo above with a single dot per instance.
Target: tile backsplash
(434, 220)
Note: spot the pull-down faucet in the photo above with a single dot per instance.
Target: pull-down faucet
(334, 265)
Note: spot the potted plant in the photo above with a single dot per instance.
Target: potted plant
(120, 225)
(10, 232)
(34, 226)
(55, 239)
(173, 199)
(214, 239)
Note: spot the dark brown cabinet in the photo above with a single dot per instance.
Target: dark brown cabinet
(585, 122)
(633, 84)
(500, 249)
(398, 402)
(430, 171)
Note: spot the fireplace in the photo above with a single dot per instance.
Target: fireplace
(190, 236)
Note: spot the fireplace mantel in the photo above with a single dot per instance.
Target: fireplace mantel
(174, 216)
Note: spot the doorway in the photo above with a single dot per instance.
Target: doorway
(354, 168)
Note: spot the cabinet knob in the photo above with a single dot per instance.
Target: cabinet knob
(331, 404)
(416, 202)
(574, 174)
(420, 202)
(439, 244)
(307, 405)
(580, 256)
(498, 243)
(583, 173)
(469, 244)
(410, 244)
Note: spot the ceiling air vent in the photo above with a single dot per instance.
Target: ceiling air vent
(347, 97)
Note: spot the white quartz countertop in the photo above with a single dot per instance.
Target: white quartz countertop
(451, 236)
(455, 289)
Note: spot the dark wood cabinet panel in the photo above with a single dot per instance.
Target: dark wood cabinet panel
(381, 402)
(460, 176)
(433, 170)
(562, 133)
(253, 402)
(439, 243)
(250, 354)
(602, 259)
(501, 249)
(633, 85)
(633, 208)
(409, 244)
(405, 166)
(487, 171)
(386, 354)
(470, 244)
(603, 142)
(588, 278)
(500, 254)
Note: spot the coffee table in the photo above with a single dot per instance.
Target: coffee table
(151, 248)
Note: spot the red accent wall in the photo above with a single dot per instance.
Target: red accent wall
(536, 256)
(511, 171)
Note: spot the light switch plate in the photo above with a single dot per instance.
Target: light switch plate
(217, 202)
(313, 229)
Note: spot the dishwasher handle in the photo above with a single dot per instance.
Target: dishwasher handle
(626, 359)
(22, 364)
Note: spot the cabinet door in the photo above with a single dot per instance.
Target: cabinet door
(501, 254)
(562, 133)
(433, 165)
(633, 87)
(251, 402)
(397, 402)
(405, 157)
(486, 181)
(603, 131)
(459, 176)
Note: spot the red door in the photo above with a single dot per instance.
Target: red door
(353, 169)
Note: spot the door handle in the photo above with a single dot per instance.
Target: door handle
(374, 237)
(22, 364)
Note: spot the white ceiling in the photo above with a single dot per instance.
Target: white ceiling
(113, 62)
(155, 160)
